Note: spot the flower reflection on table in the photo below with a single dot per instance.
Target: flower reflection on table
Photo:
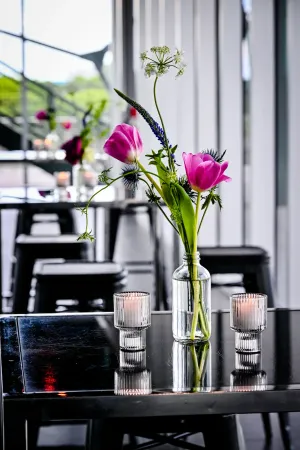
(248, 375)
(132, 377)
(191, 367)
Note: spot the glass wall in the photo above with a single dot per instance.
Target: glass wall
(52, 54)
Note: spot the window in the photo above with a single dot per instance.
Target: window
(63, 58)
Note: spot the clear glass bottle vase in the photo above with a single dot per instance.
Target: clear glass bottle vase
(191, 321)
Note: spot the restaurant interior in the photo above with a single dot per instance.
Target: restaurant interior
(149, 224)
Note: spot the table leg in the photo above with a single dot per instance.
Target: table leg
(285, 429)
(1, 275)
(157, 271)
(160, 282)
(104, 435)
(15, 431)
(112, 219)
(96, 234)
(228, 436)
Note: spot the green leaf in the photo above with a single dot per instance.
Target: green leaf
(99, 111)
(185, 205)
(104, 132)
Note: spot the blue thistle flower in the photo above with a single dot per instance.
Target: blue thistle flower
(155, 127)
(131, 177)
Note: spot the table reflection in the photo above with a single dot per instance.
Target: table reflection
(191, 367)
(248, 375)
(132, 377)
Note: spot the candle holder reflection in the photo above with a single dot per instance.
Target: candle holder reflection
(248, 318)
(248, 375)
(191, 367)
(132, 377)
(132, 360)
(89, 179)
(132, 316)
(62, 179)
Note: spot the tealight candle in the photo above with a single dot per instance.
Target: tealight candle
(248, 318)
(62, 179)
(132, 382)
(132, 315)
(89, 179)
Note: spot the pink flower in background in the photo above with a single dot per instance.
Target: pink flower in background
(74, 150)
(67, 125)
(42, 115)
(133, 112)
(203, 172)
(125, 144)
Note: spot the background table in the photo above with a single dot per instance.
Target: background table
(48, 201)
(63, 366)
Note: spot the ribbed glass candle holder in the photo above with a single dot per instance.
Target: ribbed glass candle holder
(248, 362)
(132, 360)
(132, 382)
(248, 375)
(132, 315)
(248, 318)
(241, 381)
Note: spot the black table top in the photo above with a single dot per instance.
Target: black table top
(52, 360)
(48, 199)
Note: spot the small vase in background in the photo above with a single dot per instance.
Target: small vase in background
(191, 367)
(190, 280)
(84, 178)
(52, 143)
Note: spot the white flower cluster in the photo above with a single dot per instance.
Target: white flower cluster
(161, 60)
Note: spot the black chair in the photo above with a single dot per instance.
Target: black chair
(28, 217)
(31, 248)
(108, 434)
(112, 219)
(253, 264)
(83, 281)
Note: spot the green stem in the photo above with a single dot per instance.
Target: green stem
(98, 192)
(196, 221)
(199, 363)
(203, 215)
(199, 311)
(160, 208)
(171, 162)
(194, 274)
(197, 375)
(148, 175)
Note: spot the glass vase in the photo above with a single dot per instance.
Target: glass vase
(191, 367)
(191, 321)
(52, 143)
(77, 178)
(84, 179)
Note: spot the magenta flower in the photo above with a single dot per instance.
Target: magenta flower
(203, 172)
(125, 144)
(74, 150)
(67, 125)
(42, 115)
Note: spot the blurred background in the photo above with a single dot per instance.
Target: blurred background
(240, 93)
